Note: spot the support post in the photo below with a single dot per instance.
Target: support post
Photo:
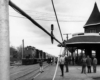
(77, 52)
(22, 48)
(67, 40)
(4, 41)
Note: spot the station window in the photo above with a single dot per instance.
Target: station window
(92, 31)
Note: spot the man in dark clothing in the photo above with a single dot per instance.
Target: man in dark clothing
(94, 64)
(61, 64)
(84, 64)
(89, 61)
(66, 63)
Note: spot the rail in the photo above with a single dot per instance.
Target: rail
(31, 71)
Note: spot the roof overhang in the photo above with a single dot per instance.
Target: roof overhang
(93, 24)
(84, 41)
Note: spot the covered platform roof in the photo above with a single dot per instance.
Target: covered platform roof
(83, 41)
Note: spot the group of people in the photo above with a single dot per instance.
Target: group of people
(86, 62)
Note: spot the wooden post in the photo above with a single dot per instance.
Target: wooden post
(77, 56)
(22, 48)
(4, 41)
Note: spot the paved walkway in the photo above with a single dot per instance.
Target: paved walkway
(73, 74)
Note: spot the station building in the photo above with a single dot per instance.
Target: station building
(89, 41)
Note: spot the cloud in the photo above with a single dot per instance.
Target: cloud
(32, 4)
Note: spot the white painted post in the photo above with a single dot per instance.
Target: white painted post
(22, 48)
(4, 40)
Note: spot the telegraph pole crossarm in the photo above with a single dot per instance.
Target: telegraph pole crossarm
(67, 35)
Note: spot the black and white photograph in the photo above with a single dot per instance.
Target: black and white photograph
(49, 39)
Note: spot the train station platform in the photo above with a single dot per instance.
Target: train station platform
(73, 74)
(31, 72)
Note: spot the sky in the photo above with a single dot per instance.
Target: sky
(72, 16)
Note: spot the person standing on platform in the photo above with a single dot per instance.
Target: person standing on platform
(94, 64)
(89, 61)
(66, 63)
(41, 65)
(61, 64)
(84, 64)
(56, 59)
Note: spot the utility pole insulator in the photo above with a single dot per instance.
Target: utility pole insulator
(67, 35)
(52, 27)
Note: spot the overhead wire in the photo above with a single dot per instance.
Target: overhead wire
(57, 19)
(61, 37)
(43, 19)
(50, 17)
(32, 20)
(50, 13)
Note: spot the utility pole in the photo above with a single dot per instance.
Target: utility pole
(4, 41)
(67, 39)
(67, 35)
(22, 48)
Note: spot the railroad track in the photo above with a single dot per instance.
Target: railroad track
(30, 74)
(26, 69)
(35, 75)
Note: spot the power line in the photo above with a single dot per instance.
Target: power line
(50, 14)
(57, 19)
(45, 13)
(43, 19)
(62, 18)
(32, 20)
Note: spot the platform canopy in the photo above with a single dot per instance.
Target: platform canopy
(83, 41)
